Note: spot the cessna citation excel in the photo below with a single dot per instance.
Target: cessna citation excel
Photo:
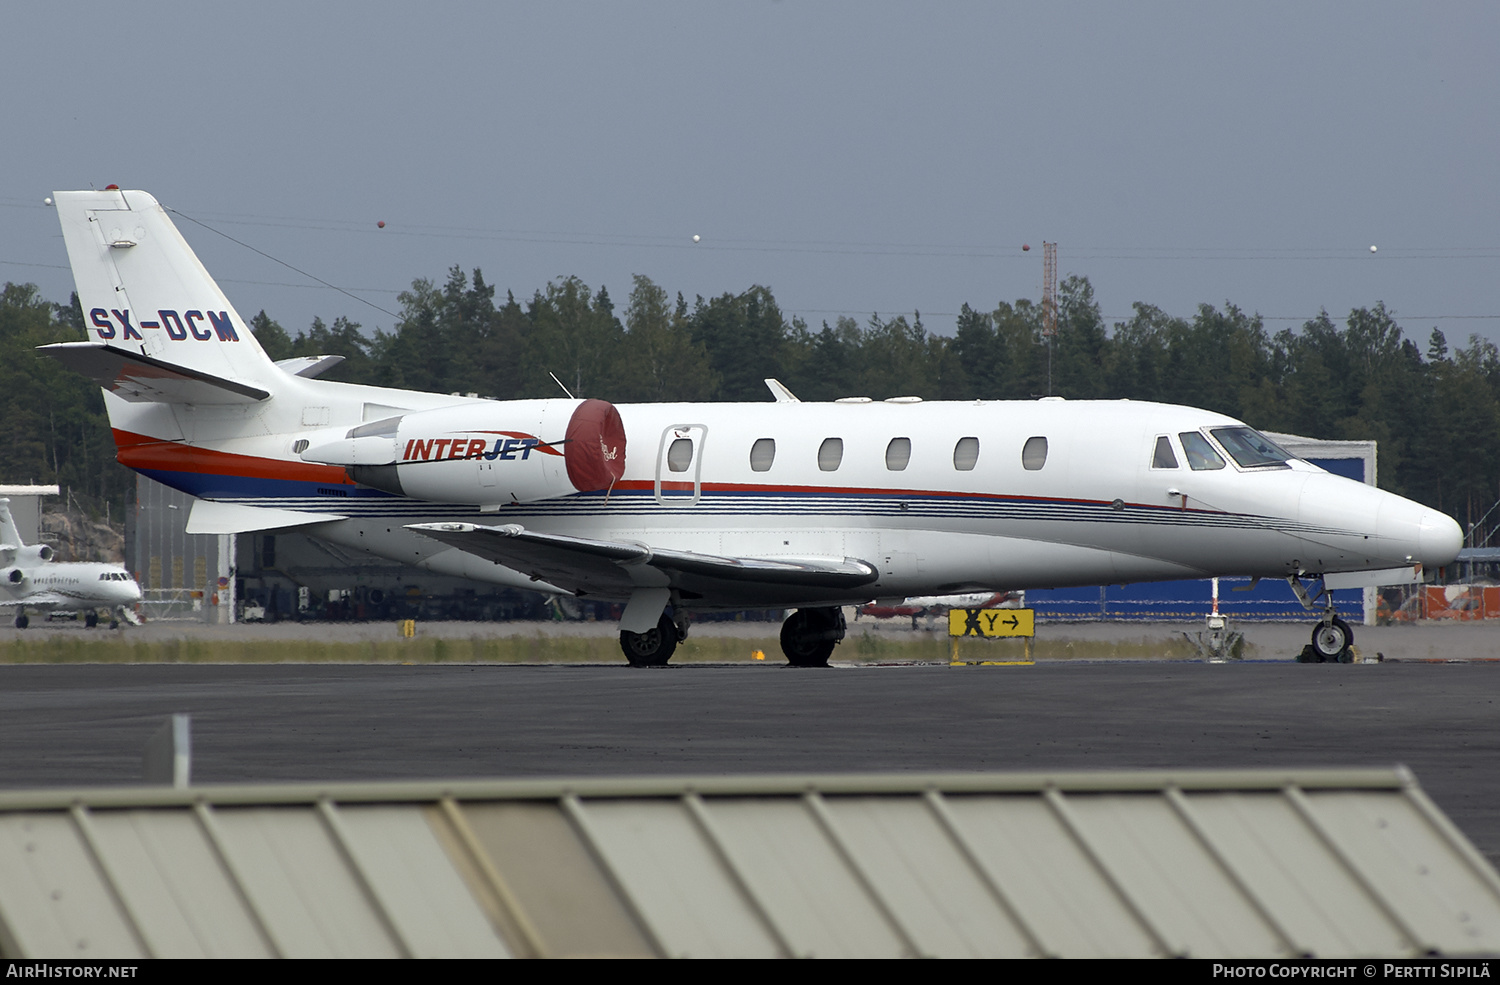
(669, 508)
(30, 579)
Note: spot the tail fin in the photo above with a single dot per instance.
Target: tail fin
(161, 328)
(10, 537)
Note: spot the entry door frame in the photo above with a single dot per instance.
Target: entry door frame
(698, 434)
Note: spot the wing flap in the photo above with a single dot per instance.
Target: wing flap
(614, 567)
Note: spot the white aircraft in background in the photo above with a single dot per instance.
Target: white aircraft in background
(934, 605)
(30, 579)
(670, 508)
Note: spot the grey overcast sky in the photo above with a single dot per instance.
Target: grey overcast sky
(854, 157)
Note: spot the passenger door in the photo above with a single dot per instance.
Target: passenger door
(679, 465)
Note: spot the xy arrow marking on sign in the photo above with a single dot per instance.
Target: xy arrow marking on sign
(991, 622)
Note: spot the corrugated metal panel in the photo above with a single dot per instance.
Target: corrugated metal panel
(1205, 864)
(680, 881)
(54, 899)
(562, 897)
(173, 883)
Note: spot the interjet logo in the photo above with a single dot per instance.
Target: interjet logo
(513, 446)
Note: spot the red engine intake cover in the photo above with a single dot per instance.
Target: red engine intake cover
(595, 449)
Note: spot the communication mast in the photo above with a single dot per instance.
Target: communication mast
(1049, 304)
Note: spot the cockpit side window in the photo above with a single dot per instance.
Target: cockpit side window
(1250, 448)
(1200, 454)
(1163, 457)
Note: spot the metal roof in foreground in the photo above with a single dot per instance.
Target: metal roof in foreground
(1201, 863)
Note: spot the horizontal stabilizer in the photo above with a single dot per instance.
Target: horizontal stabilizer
(612, 567)
(308, 366)
(209, 517)
(138, 378)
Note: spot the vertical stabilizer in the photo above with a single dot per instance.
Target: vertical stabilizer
(10, 537)
(144, 291)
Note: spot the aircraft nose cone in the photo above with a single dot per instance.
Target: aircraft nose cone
(1439, 537)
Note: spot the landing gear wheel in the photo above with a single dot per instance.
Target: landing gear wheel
(654, 647)
(114, 624)
(809, 635)
(1331, 640)
(90, 620)
(22, 622)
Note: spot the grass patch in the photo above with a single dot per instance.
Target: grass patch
(539, 648)
(419, 650)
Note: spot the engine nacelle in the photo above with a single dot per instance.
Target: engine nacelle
(12, 576)
(36, 553)
(511, 451)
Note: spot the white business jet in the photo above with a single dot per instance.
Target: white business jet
(670, 508)
(30, 579)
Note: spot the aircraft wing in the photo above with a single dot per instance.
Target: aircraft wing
(211, 517)
(615, 568)
(138, 377)
(48, 600)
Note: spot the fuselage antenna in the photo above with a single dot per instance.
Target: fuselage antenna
(560, 384)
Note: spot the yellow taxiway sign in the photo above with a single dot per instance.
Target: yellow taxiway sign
(991, 622)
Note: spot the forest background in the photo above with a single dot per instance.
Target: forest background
(1434, 412)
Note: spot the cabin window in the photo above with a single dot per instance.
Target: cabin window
(1164, 457)
(966, 454)
(1250, 448)
(830, 454)
(1200, 454)
(762, 454)
(680, 454)
(1034, 454)
(898, 454)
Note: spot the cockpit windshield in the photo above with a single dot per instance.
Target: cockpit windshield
(1250, 448)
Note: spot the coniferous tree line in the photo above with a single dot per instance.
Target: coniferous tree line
(1435, 411)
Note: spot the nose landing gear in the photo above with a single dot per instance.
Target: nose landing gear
(1331, 637)
(1331, 640)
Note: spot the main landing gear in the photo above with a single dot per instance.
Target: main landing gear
(809, 635)
(654, 647)
(807, 638)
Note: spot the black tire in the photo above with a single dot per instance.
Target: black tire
(22, 622)
(114, 624)
(652, 648)
(90, 620)
(1331, 640)
(809, 635)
